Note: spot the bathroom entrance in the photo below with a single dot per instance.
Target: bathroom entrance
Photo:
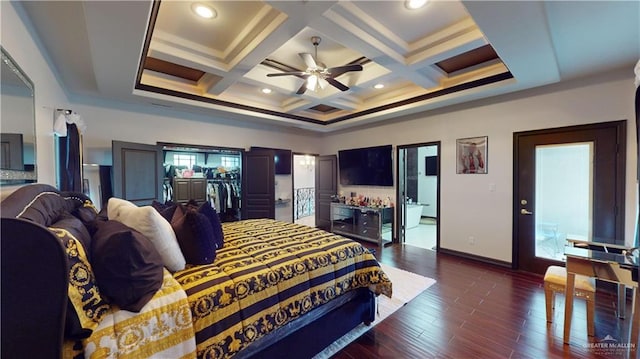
(419, 195)
(304, 189)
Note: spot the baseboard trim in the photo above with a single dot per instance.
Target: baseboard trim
(475, 257)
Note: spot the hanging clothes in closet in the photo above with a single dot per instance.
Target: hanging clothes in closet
(224, 196)
(167, 191)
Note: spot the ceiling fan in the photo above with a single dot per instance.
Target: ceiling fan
(317, 74)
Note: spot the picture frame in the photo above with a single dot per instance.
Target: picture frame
(471, 155)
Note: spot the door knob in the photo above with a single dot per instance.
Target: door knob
(524, 211)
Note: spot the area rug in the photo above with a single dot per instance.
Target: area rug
(406, 286)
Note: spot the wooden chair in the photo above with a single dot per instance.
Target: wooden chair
(555, 280)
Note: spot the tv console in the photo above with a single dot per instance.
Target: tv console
(366, 223)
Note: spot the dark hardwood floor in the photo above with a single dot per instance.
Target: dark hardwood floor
(479, 310)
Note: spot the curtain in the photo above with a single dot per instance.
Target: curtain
(70, 160)
(637, 242)
(105, 185)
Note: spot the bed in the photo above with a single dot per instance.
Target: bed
(274, 289)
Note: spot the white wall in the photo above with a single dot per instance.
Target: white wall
(469, 208)
(106, 122)
(49, 95)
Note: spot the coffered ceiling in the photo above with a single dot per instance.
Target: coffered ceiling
(447, 52)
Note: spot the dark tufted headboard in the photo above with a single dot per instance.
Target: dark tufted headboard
(34, 290)
(34, 277)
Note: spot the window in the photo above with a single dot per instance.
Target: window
(230, 162)
(184, 160)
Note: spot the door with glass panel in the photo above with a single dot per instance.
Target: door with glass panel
(568, 184)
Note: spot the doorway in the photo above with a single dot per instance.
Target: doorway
(418, 208)
(304, 189)
(568, 184)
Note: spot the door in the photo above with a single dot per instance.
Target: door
(137, 172)
(401, 195)
(568, 184)
(326, 187)
(411, 173)
(418, 195)
(258, 184)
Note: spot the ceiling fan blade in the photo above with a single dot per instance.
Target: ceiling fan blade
(337, 84)
(295, 73)
(302, 88)
(322, 82)
(308, 60)
(337, 71)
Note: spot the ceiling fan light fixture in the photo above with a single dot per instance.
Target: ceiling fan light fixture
(312, 82)
(204, 11)
(414, 4)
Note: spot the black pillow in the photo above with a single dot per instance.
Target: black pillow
(166, 209)
(77, 229)
(213, 218)
(195, 235)
(46, 208)
(128, 268)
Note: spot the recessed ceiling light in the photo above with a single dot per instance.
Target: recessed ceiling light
(378, 86)
(204, 11)
(266, 90)
(414, 4)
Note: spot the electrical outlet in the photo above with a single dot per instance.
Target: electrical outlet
(472, 240)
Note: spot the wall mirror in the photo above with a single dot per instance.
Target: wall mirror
(17, 130)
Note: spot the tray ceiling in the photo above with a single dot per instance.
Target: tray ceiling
(447, 52)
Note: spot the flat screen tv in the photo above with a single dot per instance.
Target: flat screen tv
(370, 166)
(431, 166)
(282, 159)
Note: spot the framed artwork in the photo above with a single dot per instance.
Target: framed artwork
(471, 155)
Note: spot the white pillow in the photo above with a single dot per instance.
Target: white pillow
(152, 225)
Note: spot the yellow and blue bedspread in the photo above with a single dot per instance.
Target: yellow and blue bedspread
(268, 274)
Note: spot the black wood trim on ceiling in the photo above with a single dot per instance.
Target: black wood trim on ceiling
(139, 86)
(465, 86)
(469, 85)
(147, 40)
(189, 96)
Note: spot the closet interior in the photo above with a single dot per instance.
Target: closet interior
(200, 173)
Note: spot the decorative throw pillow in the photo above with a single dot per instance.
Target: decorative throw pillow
(195, 235)
(166, 209)
(77, 230)
(128, 268)
(213, 218)
(86, 213)
(86, 307)
(46, 208)
(150, 223)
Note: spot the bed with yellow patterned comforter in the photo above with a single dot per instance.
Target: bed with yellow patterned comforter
(268, 274)
(275, 289)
